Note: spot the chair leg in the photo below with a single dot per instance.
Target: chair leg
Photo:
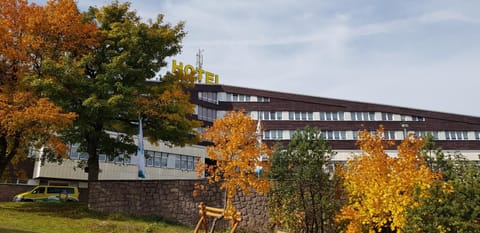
(200, 222)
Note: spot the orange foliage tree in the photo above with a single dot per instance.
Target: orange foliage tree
(237, 152)
(381, 188)
(32, 38)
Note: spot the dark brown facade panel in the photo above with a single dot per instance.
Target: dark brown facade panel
(351, 144)
(458, 145)
(368, 125)
(300, 102)
(335, 144)
(323, 125)
(287, 105)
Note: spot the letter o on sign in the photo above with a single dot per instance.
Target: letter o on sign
(189, 69)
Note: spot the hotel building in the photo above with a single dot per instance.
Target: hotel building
(281, 115)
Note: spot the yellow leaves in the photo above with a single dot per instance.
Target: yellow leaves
(380, 188)
(237, 151)
(197, 189)
(447, 187)
(441, 229)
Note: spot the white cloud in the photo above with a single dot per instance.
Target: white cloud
(406, 53)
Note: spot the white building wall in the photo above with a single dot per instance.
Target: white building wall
(396, 117)
(441, 135)
(347, 116)
(220, 114)
(69, 170)
(399, 135)
(471, 135)
(254, 115)
(221, 96)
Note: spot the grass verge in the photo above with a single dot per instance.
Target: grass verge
(75, 217)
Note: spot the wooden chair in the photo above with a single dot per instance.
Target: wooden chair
(218, 214)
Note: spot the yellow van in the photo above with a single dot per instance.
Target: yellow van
(49, 193)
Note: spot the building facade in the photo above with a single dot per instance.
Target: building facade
(339, 120)
(281, 115)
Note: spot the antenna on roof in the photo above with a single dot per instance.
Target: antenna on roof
(200, 58)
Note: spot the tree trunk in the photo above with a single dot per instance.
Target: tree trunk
(3, 164)
(5, 156)
(93, 164)
(315, 224)
(305, 209)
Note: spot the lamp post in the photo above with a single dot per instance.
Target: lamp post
(404, 126)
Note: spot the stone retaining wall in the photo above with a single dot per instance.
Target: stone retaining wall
(8, 191)
(173, 200)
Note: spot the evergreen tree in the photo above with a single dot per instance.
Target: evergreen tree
(453, 203)
(304, 195)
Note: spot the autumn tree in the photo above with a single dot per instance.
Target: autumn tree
(453, 202)
(113, 91)
(304, 196)
(380, 189)
(237, 152)
(32, 39)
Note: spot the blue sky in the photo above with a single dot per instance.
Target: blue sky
(417, 54)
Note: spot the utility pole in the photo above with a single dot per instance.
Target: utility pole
(200, 58)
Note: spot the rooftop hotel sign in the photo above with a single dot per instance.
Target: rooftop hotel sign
(210, 78)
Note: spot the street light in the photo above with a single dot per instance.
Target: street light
(404, 126)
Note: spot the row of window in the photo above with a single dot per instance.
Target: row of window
(388, 116)
(362, 116)
(333, 116)
(169, 160)
(122, 159)
(153, 159)
(185, 162)
(270, 116)
(388, 135)
(324, 116)
(300, 116)
(206, 114)
(232, 97)
(208, 97)
(156, 159)
(457, 135)
(273, 134)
